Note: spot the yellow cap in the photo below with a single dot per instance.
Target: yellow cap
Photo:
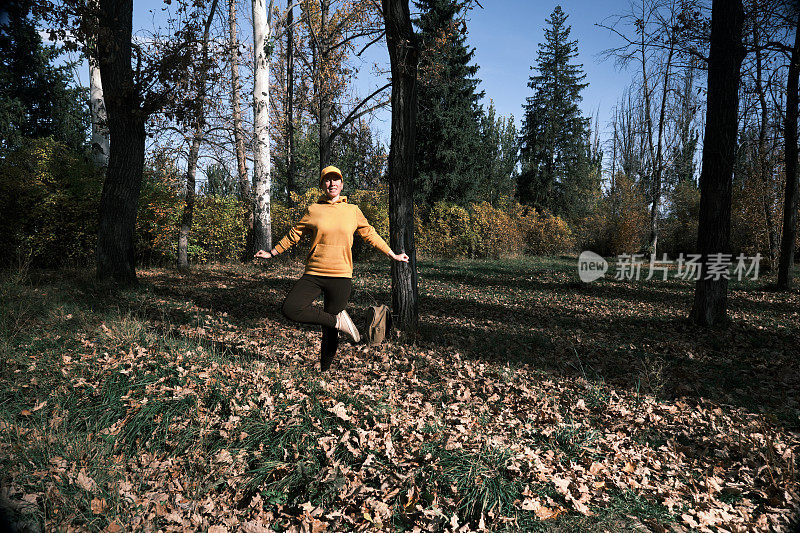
(329, 170)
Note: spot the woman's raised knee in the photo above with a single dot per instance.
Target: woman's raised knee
(291, 310)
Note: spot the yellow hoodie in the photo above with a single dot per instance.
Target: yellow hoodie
(332, 226)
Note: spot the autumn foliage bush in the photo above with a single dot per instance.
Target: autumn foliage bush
(49, 200)
(619, 222)
(219, 225)
(485, 231)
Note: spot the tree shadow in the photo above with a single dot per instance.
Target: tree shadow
(609, 339)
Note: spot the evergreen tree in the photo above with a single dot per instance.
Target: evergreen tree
(448, 118)
(557, 160)
(36, 97)
(499, 154)
(220, 182)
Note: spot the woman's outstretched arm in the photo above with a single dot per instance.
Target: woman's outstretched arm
(289, 240)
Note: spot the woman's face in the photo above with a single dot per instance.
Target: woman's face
(332, 185)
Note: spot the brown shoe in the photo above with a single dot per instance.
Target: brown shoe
(345, 324)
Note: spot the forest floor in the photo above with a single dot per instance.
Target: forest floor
(529, 401)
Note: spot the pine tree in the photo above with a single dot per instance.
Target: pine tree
(36, 95)
(448, 120)
(557, 167)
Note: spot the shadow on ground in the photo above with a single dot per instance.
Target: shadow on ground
(631, 335)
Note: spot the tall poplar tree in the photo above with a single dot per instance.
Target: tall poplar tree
(448, 123)
(556, 154)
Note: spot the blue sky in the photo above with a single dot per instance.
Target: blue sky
(505, 34)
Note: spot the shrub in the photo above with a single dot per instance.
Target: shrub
(160, 209)
(49, 199)
(494, 232)
(619, 224)
(444, 231)
(484, 231)
(542, 233)
(375, 206)
(219, 230)
(219, 223)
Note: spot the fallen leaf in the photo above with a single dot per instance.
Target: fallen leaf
(255, 527)
(340, 411)
(98, 505)
(85, 482)
(530, 504)
(562, 485)
(546, 513)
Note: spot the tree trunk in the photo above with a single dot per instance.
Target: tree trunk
(194, 150)
(188, 208)
(719, 148)
(763, 171)
(262, 227)
(290, 105)
(100, 141)
(116, 256)
(238, 131)
(658, 165)
(790, 197)
(404, 57)
(325, 104)
(648, 121)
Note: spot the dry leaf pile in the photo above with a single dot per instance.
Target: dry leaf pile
(192, 405)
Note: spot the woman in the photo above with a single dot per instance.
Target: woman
(331, 222)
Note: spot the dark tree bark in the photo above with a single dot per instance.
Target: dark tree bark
(404, 57)
(719, 148)
(126, 124)
(790, 197)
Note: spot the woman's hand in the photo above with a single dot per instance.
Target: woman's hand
(399, 257)
(263, 255)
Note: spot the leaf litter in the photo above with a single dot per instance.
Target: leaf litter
(203, 411)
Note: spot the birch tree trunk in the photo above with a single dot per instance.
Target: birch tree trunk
(790, 197)
(404, 58)
(188, 207)
(719, 148)
(101, 144)
(290, 105)
(262, 228)
(325, 104)
(658, 164)
(238, 131)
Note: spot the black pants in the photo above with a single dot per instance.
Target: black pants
(298, 307)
